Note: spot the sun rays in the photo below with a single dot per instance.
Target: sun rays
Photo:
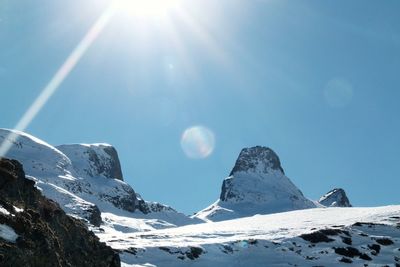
(160, 11)
(146, 8)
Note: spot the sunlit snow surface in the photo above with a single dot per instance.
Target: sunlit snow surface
(263, 240)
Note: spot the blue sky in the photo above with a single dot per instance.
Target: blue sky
(317, 81)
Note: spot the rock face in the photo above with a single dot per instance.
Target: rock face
(101, 162)
(251, 158)
(147, 207)
(335, 198)
(94, 160)
(35, 231)
(256, 185)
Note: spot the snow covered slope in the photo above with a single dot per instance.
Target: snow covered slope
(86, 180)
(312, 237)
(256, 185)
(53, 172)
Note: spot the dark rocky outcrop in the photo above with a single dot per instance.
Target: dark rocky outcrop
(124, 199)
(352, 252)
(317, 237)
(335, 198)
(114, 169)
(375, 248)
(46, 235)
(94, 215)
(323, 235)
(147, 207)
(250, 157)
(384, 241)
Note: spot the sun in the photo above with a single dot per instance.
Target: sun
(146, 8)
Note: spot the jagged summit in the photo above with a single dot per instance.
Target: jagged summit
(256, 185)
(335, 198)
(255, 159)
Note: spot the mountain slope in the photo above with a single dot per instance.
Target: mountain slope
(87, 181)
(256, 185)
(52, 171)
(34, 231)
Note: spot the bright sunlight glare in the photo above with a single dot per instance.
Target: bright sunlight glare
(146, 8)
(198, 142)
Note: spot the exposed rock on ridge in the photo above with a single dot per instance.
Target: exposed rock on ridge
(335, 198)
(94, 160)
(250, 158)
(147, 207)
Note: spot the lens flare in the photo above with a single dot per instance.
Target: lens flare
(198, 142)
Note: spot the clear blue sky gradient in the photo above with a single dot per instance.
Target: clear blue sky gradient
(317, 81)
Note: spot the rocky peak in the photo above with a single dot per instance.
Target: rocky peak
(80, 177)
(335, 198)
(94, 160)
(256, 185)
(257, 159)
(147, 207)
(256, 177)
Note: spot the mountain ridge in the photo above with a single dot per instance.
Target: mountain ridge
(260, 218)
(81, 178)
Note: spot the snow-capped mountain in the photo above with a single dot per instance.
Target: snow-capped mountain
(335, 198)
(261, 218)
(256, 185)
(87, 181)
